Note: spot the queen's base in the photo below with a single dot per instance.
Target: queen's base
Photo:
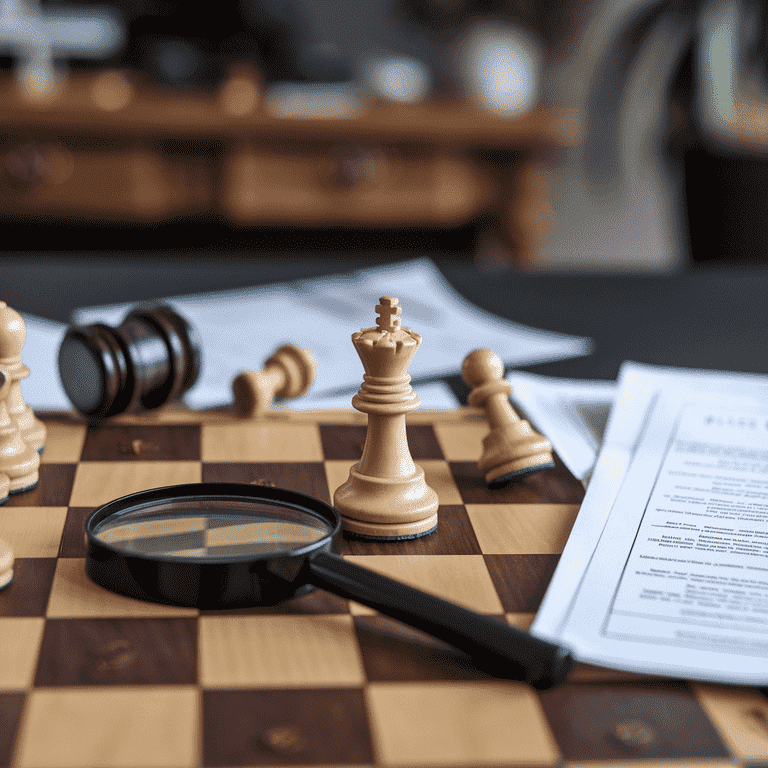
(385, 507)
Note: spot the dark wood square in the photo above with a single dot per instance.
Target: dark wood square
(147, 442)
(53, 490)
(27, 594)
(454, 536)
(73, 535)
(550, 486)
(276, 727)
(305, 477)
(423, 442)
(630, 722)
(521, 580)
(346, 441)
(342, 441)
(394, 652)
(118, 652)
(10, 713)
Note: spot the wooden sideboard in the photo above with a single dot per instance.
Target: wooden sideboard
(108, 148)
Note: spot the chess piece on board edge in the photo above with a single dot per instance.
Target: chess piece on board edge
(512, 449)
(153, 357)
(288, 373)
(5, 485)
(6, 565)
(13, 333)
(18, 461)
(386, 496)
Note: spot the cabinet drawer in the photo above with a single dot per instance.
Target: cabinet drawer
(102, 178)
(351, 185)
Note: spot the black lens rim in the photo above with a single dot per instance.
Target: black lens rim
(227, 582)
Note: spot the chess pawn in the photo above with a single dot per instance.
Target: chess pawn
(5, 485)
(512, 449)
(6, 565)
(288, 373)
(13, 333)
(18, 460)
(386, 495)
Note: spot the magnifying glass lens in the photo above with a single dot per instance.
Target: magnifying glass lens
(206, 528)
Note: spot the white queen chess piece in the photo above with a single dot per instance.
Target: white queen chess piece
(386, 495)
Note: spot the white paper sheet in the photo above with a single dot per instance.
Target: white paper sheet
(42, 389)
(570, 413)
(678, 583)
(638, 387)
(240, 329)
(434, 396)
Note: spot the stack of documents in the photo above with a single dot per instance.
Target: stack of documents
(666, 568)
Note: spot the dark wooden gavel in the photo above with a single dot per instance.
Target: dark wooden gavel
(151, 358)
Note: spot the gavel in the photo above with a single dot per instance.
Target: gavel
(150, 359)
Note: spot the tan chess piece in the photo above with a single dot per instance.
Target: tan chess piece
(19, 461)
(6, 565)
(512, 449)
(5, 485)
(13, 333)
(386, 495)
(288, 373)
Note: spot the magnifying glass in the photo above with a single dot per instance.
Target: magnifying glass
(230, 545)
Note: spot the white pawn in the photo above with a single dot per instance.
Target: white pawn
(18, 461)
(288, 373)
(512, 449)
(6, 565)
(13, 333)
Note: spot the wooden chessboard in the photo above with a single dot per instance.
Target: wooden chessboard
(89, 678)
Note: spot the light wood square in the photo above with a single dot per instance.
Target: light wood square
(462, 579)
(20, 643)
(462, 442)
(740, 716)
(437, 473)
(110, 727)
(73, 594)
(63, 443)
(521, 620)
(450, 724)
(279, 651)
(257, 441)
(520, 529)
(337, 473)
(439, 477)
(97, 483)
(33, 531)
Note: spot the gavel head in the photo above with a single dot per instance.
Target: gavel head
(151, 358)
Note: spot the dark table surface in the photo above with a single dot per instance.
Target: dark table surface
(714, 318)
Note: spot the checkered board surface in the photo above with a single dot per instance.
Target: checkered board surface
(89, 678)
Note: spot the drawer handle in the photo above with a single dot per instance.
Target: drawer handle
(34, 164)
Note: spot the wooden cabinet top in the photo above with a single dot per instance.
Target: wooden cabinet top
(167, 113)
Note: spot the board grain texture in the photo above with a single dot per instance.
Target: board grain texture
(90, 679)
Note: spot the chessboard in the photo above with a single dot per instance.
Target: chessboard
(91, 678)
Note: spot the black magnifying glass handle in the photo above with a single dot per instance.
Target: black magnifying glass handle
(497, 648)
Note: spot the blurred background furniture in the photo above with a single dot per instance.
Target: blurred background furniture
(561, 135)
(162, 154)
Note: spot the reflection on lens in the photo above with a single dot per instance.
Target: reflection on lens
(209, 536)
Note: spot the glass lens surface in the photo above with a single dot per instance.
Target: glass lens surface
(212, 529)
